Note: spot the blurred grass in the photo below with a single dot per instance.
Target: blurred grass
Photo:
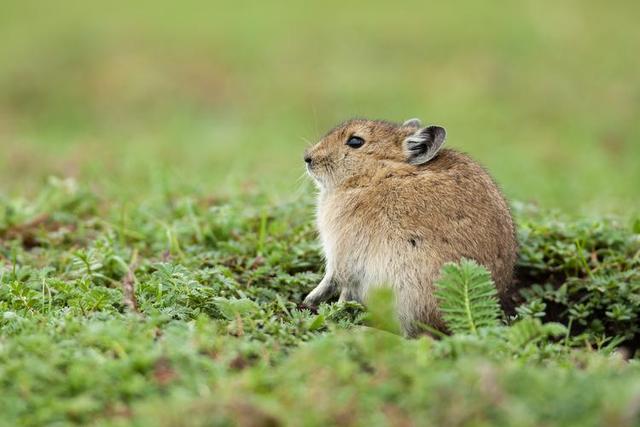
(213, 97)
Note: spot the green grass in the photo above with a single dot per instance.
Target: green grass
(186, 311)
(156, 236)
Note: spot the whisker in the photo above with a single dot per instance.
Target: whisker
(302, 176)
(302, 184)
(306, 141)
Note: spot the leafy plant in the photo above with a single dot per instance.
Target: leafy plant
(467, 297)
(583, 273)
(216, 332)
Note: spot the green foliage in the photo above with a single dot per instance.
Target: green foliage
(381, 311)
(148, 302)
(583, 273)
(212, 333)
(467, 297)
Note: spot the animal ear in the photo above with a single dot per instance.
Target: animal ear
(424, 144)
(412, 123)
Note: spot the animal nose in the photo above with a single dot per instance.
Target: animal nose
(307, 159)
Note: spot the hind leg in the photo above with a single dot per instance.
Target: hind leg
(418, 314)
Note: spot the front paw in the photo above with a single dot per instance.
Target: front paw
(323, 292)
(318, 295)
(312, 300)
(346, 295)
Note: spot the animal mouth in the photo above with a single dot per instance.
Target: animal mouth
(312, 172)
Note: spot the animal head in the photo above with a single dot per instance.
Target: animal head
(358, 148)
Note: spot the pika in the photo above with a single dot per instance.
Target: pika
(394, 206)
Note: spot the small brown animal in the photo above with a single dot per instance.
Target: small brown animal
(394, 206)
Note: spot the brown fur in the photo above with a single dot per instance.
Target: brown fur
(386, 222)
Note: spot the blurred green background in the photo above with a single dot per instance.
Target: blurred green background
(219, 97)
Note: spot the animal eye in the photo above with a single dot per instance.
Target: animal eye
(355, 142)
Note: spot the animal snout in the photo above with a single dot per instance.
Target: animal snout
(307, 158)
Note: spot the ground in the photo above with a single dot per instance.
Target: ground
(156, 227)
